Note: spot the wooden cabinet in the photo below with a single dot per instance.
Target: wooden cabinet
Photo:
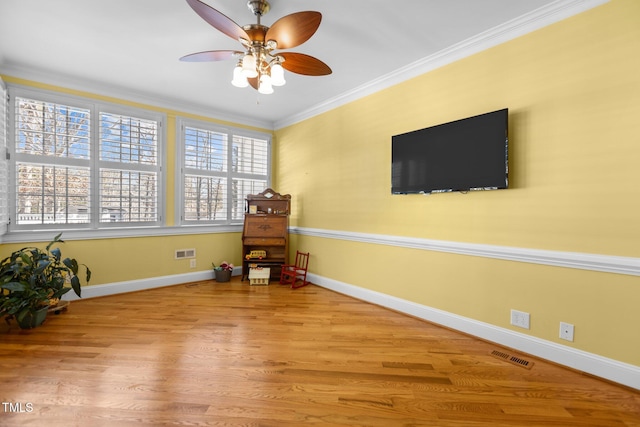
(266, 232)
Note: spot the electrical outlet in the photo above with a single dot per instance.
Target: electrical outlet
(520, 319)
(192, 263)
(566, 331)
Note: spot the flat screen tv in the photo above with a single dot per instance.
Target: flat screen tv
(463, 155)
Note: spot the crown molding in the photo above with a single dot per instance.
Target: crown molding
(539, 18)
(117, 92)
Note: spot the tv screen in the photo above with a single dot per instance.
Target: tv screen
(463, 155)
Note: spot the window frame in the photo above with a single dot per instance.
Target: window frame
(181, 124)
(133, 167)
(96, 108)
(4, 159)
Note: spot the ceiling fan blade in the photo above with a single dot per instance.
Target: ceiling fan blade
(218, 20)
(300, 63)
(295, 29)
(254, 82)
(211, 55)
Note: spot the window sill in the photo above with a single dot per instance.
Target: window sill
(19, 236)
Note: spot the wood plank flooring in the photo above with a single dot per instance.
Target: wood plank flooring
(214, 354)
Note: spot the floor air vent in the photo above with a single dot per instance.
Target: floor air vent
(515, 360)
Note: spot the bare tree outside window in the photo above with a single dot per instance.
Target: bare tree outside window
(130, 192)
(220, 169)
(77, 163)
(57, 172)
(204, 193)
(53, 149)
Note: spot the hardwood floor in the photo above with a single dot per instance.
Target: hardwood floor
(209, 354)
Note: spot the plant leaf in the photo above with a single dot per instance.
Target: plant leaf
(72, 264)
(56, 254)
(55, 240)
(42, 266)
(61, 292)
(13, 286)
(21, 315)
(26, 259)
(75, 284)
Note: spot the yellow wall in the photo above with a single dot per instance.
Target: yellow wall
(573, 90)
(574, 97)
(126, 259)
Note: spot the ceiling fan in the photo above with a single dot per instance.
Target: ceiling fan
(259, 66)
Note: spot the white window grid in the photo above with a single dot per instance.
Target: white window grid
(4, 161)
(218, 167)
(83, 173)
(129, 175)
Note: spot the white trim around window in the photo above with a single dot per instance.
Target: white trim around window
(135, 179)
(4, 160)
(216, 167)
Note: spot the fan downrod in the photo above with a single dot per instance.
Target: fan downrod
(258, 7)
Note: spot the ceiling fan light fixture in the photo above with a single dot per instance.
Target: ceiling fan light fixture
(239, 80)
(249, 66)
(265, 85)
(259, 67)
(277, 74)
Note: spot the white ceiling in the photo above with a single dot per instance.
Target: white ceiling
(130, 48)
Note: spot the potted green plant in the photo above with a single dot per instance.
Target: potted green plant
(223, 271)
(31, 279)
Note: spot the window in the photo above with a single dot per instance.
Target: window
(82, 165)
(218, 168)
(4, 161)
(128, 169)
(52, 163)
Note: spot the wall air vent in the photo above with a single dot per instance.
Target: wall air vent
(185, 253)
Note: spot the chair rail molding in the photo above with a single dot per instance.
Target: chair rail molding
(583, 261)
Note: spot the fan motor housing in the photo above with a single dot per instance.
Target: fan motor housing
(258, 7)
(256, 32)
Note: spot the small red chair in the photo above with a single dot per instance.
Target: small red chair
(296, 274)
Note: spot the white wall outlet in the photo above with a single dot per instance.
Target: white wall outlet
(520, 319)
(192, 263)
(566, 331)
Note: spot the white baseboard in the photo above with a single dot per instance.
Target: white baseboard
(143, 284)
(609, 369)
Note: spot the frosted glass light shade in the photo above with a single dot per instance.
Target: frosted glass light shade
(249, 66)
(239, 80)
(265, 85)
(277, 75)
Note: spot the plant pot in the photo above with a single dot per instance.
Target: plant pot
(222, 275)
(33, 318)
